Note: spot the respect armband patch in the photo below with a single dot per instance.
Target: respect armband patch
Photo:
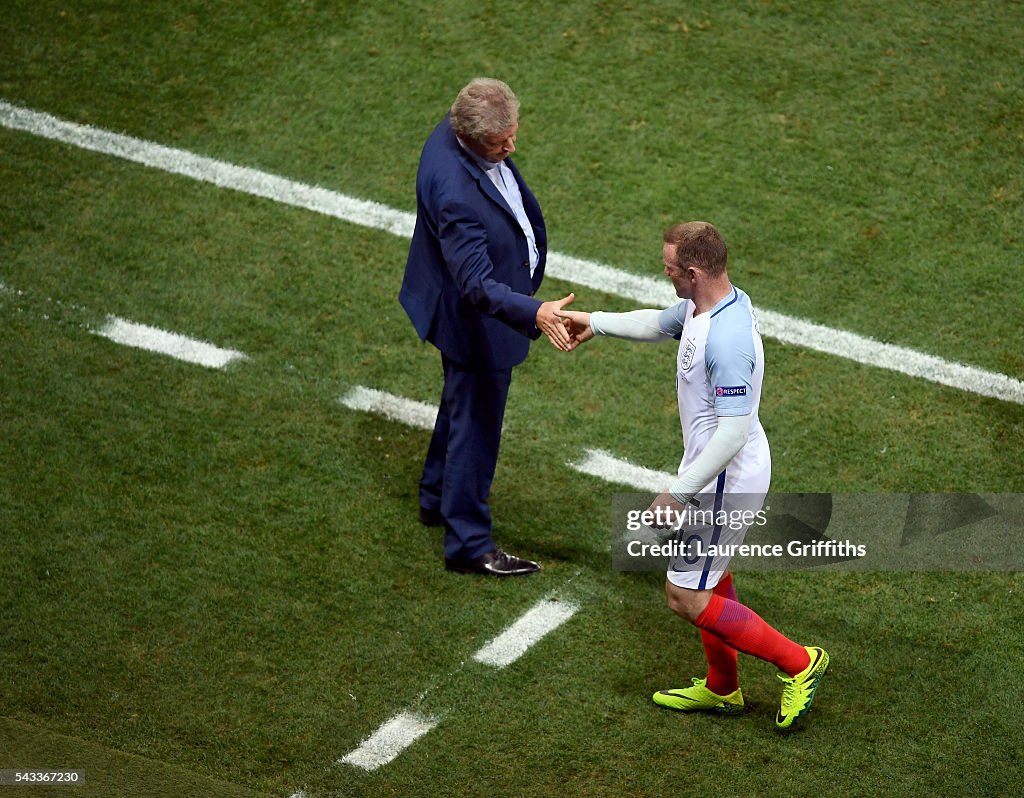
(731, 390)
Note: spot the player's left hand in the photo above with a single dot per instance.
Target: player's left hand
(670, 510)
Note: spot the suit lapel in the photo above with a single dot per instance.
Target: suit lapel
(495, 196)
(491, 190)
(478, 174)
(487, 185)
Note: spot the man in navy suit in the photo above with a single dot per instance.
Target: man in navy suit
(475, 264)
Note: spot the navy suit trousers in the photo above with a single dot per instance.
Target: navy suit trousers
(463, 454)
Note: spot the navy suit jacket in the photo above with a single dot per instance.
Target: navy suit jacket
(467, 285)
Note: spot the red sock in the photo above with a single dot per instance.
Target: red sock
(723, 676)
(745, 630)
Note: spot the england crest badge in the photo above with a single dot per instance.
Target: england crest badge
(687, 358)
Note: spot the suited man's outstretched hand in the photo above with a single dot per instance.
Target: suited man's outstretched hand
(549, 323)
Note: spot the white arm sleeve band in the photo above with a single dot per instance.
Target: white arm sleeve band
(724, 445)
(636, 325)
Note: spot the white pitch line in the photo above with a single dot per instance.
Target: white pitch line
(890, 356)
(545, 616)
(209, 170)
(405, 728)
(421, 415)
(397, 408)
(810, 335)
(576, 271)
(606, 466)
(389, 740)
(153, 339)
(595, 462)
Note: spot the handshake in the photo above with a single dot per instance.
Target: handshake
(566, 329)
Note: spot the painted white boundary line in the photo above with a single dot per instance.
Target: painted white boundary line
(397, 408)
(545, 616)
(576, 271)
(790, 330)
(177, 346)
(596, 462)
(604, 465)
(405, 728)
(209, 170)
(389, 740)
(889, 356)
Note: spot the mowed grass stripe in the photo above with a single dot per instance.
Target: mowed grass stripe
(564, 267)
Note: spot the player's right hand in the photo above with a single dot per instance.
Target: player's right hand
(577, 323)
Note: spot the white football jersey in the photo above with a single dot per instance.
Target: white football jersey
(719, 371)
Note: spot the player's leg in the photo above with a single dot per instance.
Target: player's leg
(693, 576)
(722, 659)
(699, 589)
(723, 672)
(718, 692)
(740, 628)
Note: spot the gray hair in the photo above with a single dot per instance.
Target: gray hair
(485, 107)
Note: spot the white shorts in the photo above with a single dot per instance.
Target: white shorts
(721, 521)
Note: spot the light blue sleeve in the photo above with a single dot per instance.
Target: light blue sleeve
(672, 319)
(730, 358)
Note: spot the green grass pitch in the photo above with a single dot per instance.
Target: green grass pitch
(213, 582)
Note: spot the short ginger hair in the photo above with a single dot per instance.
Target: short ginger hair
(699, 244)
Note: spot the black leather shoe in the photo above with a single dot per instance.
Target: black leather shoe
(431, 517)
(494, 563)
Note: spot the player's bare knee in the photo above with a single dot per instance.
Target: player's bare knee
(685, 602)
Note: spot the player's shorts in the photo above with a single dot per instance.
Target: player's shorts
(709, 531)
